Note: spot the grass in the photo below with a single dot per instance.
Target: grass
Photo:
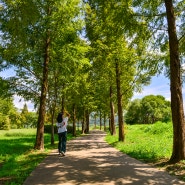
(17, 157)
(149, 143)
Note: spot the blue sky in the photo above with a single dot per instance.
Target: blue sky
(160, 85)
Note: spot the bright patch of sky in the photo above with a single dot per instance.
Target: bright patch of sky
(18, 101)
(159, 86)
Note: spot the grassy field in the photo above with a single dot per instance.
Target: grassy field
(17, 157)
(149, 143)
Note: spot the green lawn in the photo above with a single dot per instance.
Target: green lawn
(145, 142)
(17, 157)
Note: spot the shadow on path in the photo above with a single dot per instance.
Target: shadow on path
(90, 160)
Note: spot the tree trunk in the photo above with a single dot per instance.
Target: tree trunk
(100, 120)
(95, 121)
(63, 99)
(52, 127)
(87, 121)
(104, 121)
(83, 123)
(53, 109)
(39, 144)
(74, 120)
(112, 124)
(119, 99)
(178, 152)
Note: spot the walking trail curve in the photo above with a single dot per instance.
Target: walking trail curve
(90, 160)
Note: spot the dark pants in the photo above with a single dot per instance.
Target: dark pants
(62, 138)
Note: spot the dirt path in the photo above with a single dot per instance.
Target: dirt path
(90, 160)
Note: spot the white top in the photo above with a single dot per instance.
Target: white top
(62, 127)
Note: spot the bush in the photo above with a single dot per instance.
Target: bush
(4, 122)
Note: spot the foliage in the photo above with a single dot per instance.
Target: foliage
(28, 119)
(4, 122)
(146, 142)
(4, 90)
(31, 120)
(153, 15)
(11, 118)
(148, 110)
(7, 113)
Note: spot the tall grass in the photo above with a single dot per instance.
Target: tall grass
(17, 157)
(145, 142)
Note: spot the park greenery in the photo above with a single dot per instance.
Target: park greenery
(148, 110)
(11, 118)
(89, 57)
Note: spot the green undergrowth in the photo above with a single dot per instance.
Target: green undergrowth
(145, 142)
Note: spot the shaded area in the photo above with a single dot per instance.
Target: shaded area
(90, 160)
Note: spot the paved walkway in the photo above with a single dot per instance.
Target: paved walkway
(90, 160)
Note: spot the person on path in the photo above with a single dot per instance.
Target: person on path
(62, 131)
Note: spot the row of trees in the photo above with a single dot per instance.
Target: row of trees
(79, 54)
(148, 110)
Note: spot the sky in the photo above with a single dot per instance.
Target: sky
(160, 85)
(18, 101)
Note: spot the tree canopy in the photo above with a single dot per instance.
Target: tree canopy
(148, 110)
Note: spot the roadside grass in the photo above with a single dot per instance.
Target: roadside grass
(149, 143)
(17, 156)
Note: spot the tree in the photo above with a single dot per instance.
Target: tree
(30, 31)
(133, 114)
(25, 109)
(148, 110)
(4, 91)
(8, 114)
(163, 34)
(176, 87)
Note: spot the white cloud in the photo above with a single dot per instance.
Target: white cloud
(19, 103)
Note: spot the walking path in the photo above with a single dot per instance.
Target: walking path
(90, 160)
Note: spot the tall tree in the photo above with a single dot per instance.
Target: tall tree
(176, 88)
(163, 34)
(30, 31)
